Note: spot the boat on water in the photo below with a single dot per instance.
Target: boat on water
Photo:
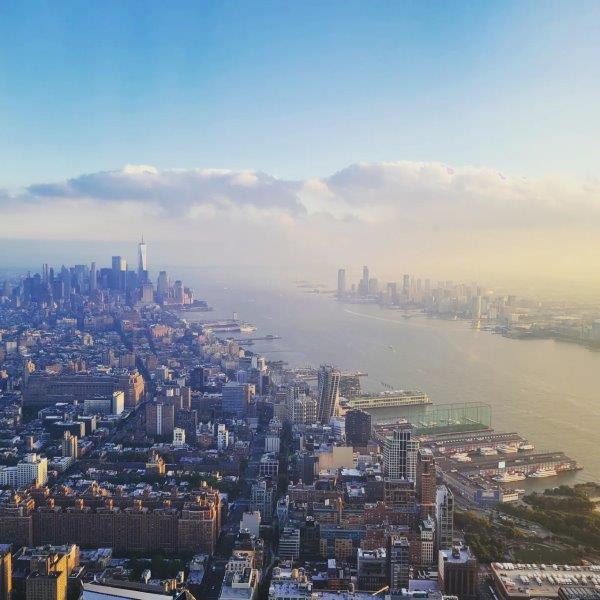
(525, 446)
(509, 476)
(543, 472)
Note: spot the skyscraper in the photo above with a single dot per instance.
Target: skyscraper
(142, 261)
(118, 273)
(93, 277)
(329, 391)
(426, 482)
(444, 517)
(364, 282)
(163, 284)
(341, 284)
(65, 276)
(406, 286)
(400, 455)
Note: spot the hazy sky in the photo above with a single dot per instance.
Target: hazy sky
(442, 136)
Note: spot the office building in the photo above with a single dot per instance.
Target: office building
(457, 572)
(444, 517)
(328, 397)
(289, 544)
(235, 398)
(119, 273)
(358, 427)
(142, 261)
(147, 296)
(93, 277)
(426, 482)
(160, 419)
(398, 553)
(426, 543)
(371, 569)
(262, 498)
(163, 285)
(268, 466)
(400, 454)
(69, 445)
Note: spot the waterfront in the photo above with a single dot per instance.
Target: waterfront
(545, 390)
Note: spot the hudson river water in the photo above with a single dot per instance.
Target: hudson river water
(545, 390)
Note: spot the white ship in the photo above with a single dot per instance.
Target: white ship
(524, 446)
(544, 472)
(508, 477)
(247, 328)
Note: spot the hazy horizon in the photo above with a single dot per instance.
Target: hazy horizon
(454, 142)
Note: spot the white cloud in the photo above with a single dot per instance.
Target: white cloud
(421, 213)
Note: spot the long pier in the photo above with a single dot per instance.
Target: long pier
(257, 339)
(524, 462)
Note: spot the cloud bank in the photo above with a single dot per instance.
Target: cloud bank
(400, 215)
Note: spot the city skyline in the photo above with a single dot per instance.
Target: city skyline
(299, 300)
(496, 225)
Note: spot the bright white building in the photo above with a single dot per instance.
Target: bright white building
(33, 469)
(222, 437)
(178, 436)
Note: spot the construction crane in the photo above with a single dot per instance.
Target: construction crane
(383, 589)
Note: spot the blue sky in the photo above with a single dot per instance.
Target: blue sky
(297, 89)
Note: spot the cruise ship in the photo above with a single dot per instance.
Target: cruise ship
(388, 399)
(544, 472)
(228, 325)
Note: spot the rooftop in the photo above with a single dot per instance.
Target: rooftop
(92, 591)
(539, 580)
(457, 554)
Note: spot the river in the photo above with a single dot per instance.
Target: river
(545, 390)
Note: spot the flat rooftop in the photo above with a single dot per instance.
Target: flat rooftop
(517, 460)
(540, 580)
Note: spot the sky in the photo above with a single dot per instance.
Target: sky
(437, 136)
